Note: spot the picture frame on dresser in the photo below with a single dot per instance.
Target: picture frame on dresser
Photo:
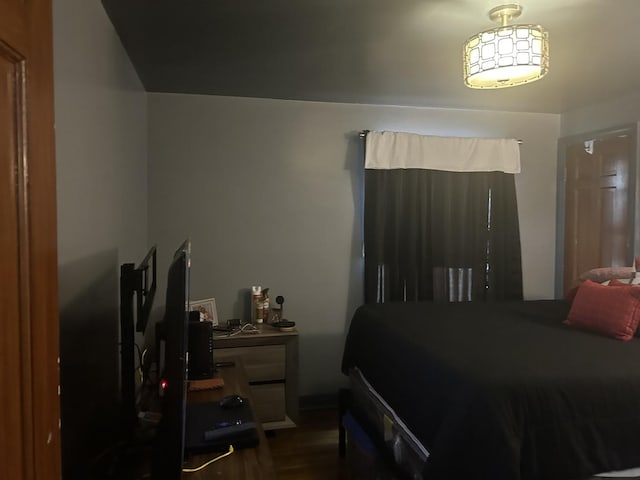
(207, 309)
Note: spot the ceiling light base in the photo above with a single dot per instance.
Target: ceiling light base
(505, 13)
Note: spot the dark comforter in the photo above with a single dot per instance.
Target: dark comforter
(503, 390)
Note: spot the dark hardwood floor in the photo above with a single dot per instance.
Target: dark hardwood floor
(310, 451)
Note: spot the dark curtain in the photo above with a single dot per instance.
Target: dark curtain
(441, 235)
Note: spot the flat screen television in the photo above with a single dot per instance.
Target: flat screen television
(168, 445)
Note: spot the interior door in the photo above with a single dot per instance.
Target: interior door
(598, 225)
(29, 403)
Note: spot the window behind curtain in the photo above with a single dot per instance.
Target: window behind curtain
(432, 234)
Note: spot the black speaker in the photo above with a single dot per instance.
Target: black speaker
(200, 350)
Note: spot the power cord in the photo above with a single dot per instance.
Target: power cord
(204, 465)
(246, 328)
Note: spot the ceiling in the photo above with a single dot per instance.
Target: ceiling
(392, 52)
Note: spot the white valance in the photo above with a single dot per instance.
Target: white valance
(398, 150)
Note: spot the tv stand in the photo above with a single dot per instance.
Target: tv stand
(132, 460)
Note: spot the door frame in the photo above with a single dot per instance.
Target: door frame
(631, 129)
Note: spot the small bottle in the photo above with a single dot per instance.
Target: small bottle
(256, 300)
(259, 311)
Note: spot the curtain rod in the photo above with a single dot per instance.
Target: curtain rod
(363, 134)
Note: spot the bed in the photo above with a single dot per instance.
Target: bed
(500, 391)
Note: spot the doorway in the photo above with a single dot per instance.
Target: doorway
(596, 224)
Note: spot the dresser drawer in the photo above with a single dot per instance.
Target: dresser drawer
(269, 401)
(264, 363)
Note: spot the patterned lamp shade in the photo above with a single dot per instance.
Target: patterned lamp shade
(506, 56)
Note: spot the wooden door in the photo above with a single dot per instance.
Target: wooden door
(29, 401)
(597, 229)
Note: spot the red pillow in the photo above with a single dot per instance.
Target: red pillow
(617, 283)
(614, 312)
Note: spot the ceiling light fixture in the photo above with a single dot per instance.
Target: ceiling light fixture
(506, 56)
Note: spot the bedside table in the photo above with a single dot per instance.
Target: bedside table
(270, 359)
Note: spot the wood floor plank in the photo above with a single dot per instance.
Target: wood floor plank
(310, 451)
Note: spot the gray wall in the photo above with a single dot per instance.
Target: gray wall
(601, 116)
(270, 193)
(101, 150)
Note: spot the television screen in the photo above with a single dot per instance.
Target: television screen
(168, 448)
